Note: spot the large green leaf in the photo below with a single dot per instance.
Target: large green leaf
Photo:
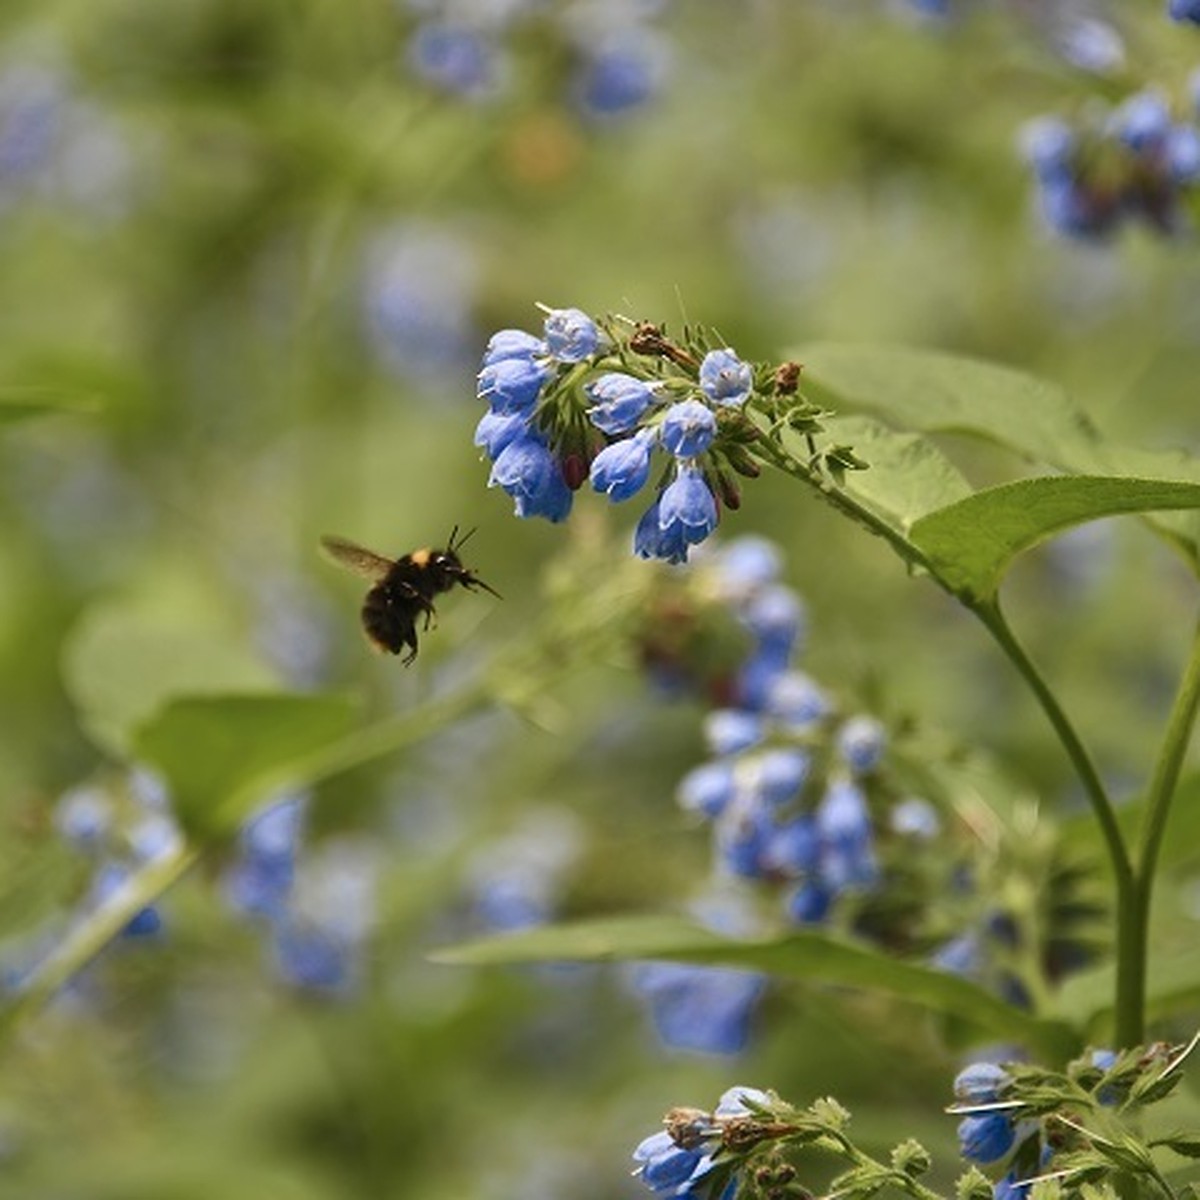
(972, 542)
(933, 392)
(122, 661)
(907, 477)
(802, 954)
(936, 392)
(222, 755)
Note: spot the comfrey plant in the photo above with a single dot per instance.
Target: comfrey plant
(1077, 1133)
(615, 398)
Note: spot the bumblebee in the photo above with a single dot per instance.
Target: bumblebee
(403, 588)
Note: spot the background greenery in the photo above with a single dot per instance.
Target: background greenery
(192, 296)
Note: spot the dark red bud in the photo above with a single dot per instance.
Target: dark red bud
(729, 492)
(575, 468)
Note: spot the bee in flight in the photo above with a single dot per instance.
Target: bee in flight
(402, 589)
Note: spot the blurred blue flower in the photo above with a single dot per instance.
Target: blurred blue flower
(861, 741)
(1184, 10)
(707, 1009)
(622, 73)
(730, 730)
(781, 774)
(456, 59)
(707, 789)
(746, 564)
(260, 879)
(419, 283)
(796, 701)
(112, 878)
(83, 816)
(809, 903)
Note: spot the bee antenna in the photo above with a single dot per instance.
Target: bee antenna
(466, 537)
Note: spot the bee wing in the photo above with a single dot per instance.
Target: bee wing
(356, 558)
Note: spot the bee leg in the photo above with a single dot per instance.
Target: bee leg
(411, 641)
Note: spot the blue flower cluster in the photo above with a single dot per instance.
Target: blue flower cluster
(318, 910)
(794, 790)
(684, 1160)
(120, 829)
(419, 284)
(996, 1126)
(620, 60)
(517, 881)
(54, 143)
(557, 418)
(1135, 163)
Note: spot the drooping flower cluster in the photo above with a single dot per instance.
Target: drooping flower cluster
(121, 828)
(1138, 162)
(318, 909)
(799, 794)
(619, 59)
(1033, 1124)
(583, 402)
(692, 1157)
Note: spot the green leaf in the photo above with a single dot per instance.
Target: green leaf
(19, 403)
(972, 542)
(223, 755)
(931, 391)
(807, 955)
(122, 661)
(907, 476)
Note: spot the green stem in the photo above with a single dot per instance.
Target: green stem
(1133, 925)
(86, 941)
(1132, 887)
(992, 618)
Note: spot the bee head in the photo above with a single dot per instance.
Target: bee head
(448, 567)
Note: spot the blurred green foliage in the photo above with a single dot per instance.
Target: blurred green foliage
(191, 393)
